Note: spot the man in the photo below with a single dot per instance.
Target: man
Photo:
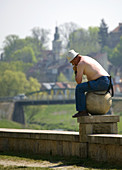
(98, 79)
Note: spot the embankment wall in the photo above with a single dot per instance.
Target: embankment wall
(102, 148)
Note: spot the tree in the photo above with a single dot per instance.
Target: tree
(40, 36)
(15, 47)
(14, 66)
(103, 34)
(34, 85)
(85, 41)
(65, 30)
(11, 44)
(13, 83)
(62, 78)
(25, 54)
(116, 55)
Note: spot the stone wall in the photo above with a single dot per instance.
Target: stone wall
(6, 110)
(12, 111)
(84, 144)
(42, 142)
(105, 148)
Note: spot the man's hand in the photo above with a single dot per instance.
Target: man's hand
(75, 69)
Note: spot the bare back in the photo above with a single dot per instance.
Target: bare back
(91, 68)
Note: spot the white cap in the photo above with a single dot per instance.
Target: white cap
(71, 55)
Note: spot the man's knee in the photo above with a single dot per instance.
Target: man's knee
(79, 87)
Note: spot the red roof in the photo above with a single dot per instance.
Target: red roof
(117, 29)
(60, 85)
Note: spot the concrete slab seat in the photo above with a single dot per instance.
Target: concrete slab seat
(105, 148)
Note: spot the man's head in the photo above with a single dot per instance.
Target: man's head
(71, 55)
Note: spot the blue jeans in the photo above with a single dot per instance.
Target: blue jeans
(99, 84)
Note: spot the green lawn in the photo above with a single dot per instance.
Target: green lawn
(49, 117)
(10, 124)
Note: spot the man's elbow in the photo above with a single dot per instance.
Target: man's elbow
(79, 81)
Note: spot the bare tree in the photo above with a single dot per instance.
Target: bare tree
(41, 36)
(65, 30)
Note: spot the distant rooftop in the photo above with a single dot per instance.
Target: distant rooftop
(119, 28)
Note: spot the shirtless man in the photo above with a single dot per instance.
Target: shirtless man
(98, 79)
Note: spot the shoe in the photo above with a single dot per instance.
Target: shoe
(80, 113)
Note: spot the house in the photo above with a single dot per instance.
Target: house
(114, 36)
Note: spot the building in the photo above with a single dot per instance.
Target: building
(50, 65)
(114, 36)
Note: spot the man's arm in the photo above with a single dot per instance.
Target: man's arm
(79, 74)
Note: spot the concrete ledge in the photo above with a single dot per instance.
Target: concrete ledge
(50, 142)
(105, 148)
(98, 119)
(105, 139)
(39, 134)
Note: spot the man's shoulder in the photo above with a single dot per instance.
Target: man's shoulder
(81, 64)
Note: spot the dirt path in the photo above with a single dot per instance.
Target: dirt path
(46, 164)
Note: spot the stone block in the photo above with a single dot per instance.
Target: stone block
(84, 130)
(98, 104)
(98, 119)
(97, 125)
(104, 128)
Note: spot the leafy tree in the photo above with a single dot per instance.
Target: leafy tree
(30, 41)
(25, 54)
(14, 66)
(62, 78)
(34, 85)
(93, 39)
(11, 44)
(116, 55)
(13, 83)
(15, 48)
(85, 41)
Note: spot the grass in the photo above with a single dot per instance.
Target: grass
(54, 117)
(57, 161)
(10, 124)
(49, 117)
